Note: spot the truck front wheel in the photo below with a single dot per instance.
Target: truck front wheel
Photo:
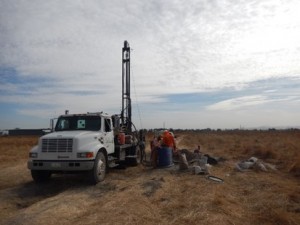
(40, 176)
(97, 174)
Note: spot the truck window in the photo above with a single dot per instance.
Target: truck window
(72, 122)
(63, 124)
(107, 125)
(81, 124)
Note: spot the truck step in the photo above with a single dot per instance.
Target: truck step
(131, 156)
(111, 158)
(113, 164)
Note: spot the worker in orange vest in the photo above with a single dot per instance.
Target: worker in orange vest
(168, 140)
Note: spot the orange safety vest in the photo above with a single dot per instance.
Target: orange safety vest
(168, 139)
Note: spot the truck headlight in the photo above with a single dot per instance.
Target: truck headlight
(33, 155)
(85, 155)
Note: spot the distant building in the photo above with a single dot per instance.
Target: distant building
(17, 132)
(3, 132)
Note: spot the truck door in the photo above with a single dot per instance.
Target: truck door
(108, 136)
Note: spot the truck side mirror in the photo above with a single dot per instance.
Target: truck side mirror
(52, 125)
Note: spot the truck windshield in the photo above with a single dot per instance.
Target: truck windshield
(78, 123)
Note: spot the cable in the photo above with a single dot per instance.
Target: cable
(143, 153)
(138, 108)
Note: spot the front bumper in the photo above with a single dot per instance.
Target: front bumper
(60, 165)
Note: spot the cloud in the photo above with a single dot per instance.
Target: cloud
(239, 103)
(67, 54)
(270, 94)
(195, 46)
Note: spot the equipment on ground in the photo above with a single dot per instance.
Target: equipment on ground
(90, 142)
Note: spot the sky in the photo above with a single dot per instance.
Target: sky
(194, 64)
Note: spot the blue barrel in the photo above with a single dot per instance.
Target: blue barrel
(165, 158)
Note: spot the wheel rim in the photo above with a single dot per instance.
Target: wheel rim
(101, 167)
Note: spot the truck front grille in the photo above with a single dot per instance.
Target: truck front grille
(57, 145)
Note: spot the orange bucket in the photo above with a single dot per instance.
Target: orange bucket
(121, 138)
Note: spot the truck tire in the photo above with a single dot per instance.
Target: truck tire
(97, 174)
(40, 176)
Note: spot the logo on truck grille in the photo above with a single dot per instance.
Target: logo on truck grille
(57, 145)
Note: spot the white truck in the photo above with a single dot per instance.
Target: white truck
(90, 142)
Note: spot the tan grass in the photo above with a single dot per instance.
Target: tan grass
(140, 195)
(295, 167)
(15, 149)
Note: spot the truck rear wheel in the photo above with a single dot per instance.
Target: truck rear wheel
(97, 174)
(136, 160)
(40, 176)
(139, 155)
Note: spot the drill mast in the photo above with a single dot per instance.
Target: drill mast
(126, 122)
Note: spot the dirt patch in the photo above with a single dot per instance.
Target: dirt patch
(152, 186)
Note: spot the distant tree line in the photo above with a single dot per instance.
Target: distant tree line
(216, 130)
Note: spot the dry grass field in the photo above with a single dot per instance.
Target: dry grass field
(141, 195)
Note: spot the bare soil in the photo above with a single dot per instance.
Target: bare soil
(142, 195)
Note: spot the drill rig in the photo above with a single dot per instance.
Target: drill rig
(90, 143)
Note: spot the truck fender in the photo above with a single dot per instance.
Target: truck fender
(103, 150)
(95, 149)
(34, 148)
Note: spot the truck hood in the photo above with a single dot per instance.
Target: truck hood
(72, 134)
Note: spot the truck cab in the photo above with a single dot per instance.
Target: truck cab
(81, 143)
